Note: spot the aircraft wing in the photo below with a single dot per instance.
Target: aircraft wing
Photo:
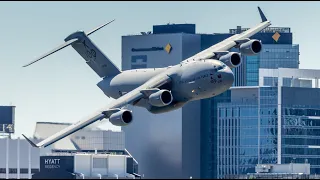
(232, 41)
(106, 112)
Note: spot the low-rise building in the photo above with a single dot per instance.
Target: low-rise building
(88, 152)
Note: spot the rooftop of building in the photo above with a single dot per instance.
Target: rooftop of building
(239, 29)
(270, 35)
(191, 29)
(293, 73)
(87, 152)
(244, 87)
(57, 123)
(45, 129)
(290, 73)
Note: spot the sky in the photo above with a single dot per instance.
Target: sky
(62, 87)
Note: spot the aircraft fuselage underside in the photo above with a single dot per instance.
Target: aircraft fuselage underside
(189, 81)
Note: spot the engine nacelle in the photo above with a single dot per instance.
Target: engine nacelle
(232, 59)
(160, 98)
(251, 47)
(121, 118)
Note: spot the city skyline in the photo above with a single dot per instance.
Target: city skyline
(62, 88)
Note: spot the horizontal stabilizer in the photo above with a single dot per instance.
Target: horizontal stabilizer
(96, 29)
(32, 143)
(52, 51)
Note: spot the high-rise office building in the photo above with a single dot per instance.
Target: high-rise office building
(182, 143)
(265, 125)
(272, 56)
(165, 145)
(277, 52)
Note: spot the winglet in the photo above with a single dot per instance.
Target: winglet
(32, 144)
(263, 17)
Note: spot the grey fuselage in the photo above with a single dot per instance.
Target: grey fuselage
(190, 81)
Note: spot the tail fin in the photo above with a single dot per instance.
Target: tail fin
(94, 57)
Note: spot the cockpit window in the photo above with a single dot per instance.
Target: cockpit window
(220, 67)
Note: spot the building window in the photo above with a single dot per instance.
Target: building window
(99, 163)
(23, 171)
(33, 171)
(2, 170)
(12, 170)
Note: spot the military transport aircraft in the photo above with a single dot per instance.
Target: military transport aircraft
(159, 90)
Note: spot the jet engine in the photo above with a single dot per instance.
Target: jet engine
(160, 98)
(251, 47)
(232, 59)
(121, 118)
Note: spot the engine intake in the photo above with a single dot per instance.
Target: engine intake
(160, 98)
(232, 59)
(251, 47)
(121, 118)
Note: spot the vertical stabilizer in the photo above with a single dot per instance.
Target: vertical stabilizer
(93, 56)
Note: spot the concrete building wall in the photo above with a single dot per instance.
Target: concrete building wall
(191, 140)
(285, 168)
(100, 140)
(23, 153)
(154, 140)
(164, 145)
(13, 163)
(151, 58)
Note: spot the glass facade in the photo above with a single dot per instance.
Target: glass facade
(237, 139)
(301, 127)
(247, 132)
(268, 129)
(288, 82)
(252, 70)
(209, 134)
(209, 141)
(275, 54)
(301, 136)
(272, 56)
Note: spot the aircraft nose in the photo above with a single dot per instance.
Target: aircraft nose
(228, 78)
